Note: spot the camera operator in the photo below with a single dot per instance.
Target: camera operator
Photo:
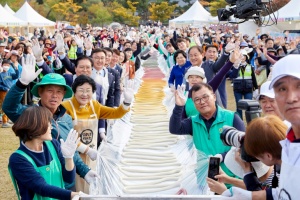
(285, 82)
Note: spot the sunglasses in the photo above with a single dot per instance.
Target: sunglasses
(122, 40)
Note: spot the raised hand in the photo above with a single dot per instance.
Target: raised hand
(180, 95)
(28, 71)
(60, 43)
(88, 44)
(78, 41)
(37, 50)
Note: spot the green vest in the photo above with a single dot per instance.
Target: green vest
(72, 52)
(190, 108)
(247, 72)
(210, 142)
(52, 173)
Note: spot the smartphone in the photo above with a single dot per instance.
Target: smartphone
(213, 167)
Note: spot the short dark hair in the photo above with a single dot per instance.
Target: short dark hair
(180, 40)
(196, 47)
(210, 46)
(187, 39)
(84, 57)
(268, 39)
(33, 122)
(5, 61)
(199, 86)
(97, 50)
(82, 79)
(107, 49)
(127, 49)
(126, 43)
(177, 53)
(116, 51)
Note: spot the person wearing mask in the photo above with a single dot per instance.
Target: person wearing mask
(6, 82)
(41, 164)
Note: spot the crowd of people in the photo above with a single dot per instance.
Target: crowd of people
(84, 79)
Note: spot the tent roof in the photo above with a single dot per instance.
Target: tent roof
(6, 7)
(7, 19)
(291, 9)
(195, 13)
(28, 14)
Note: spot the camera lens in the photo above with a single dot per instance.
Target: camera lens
(231, 137)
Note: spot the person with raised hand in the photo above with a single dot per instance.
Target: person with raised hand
(206, 126)
(52, 90)
(41, 164)
(86, 112)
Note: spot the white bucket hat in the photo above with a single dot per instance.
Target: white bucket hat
(286, 66)
(265, 91)
(198, 71)
(260, 168)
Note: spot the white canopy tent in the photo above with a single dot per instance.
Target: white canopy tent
(288, 19)
(6, 7)
(8, 20)
(29, 15)
(196, 16)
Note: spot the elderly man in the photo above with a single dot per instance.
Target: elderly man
(285, 82)
(205, 127)
(52, 90)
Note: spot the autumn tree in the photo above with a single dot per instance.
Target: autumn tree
(128, 15)
(68, 11)
(161, 11)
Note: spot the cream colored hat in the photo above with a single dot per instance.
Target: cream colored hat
(198, 71)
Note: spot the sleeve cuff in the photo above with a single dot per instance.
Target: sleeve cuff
(62, 56)
(40, 63)
(101, 130)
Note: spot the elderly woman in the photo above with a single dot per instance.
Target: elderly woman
(86, 112)
(41, 164)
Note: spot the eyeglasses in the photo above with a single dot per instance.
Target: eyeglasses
(205, 98)
(122, 40)
(81, 91)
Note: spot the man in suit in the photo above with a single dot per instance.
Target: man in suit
(115, 60)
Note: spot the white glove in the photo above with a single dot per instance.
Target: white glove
(103, 136)
(37, 50)
(92, 153)
(78, 41)
(236, 193)
(60, 44)
(28, 72)
(91, 176)
(81, 194)
(181, 92)
(129, 91)
(116, 45)
(69, 146)
(105, 42)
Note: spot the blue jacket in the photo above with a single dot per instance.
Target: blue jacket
(177, 74)
(61, 124)
(6, 79)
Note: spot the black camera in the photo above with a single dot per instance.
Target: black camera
(232, 137)
(251, 107)
(242, 9)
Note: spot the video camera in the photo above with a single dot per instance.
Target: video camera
(244, 10)
(232, 137)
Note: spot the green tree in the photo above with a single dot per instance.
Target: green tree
(99, 14)
(161, 11)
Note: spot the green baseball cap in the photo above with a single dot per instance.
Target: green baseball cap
(52, 79)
